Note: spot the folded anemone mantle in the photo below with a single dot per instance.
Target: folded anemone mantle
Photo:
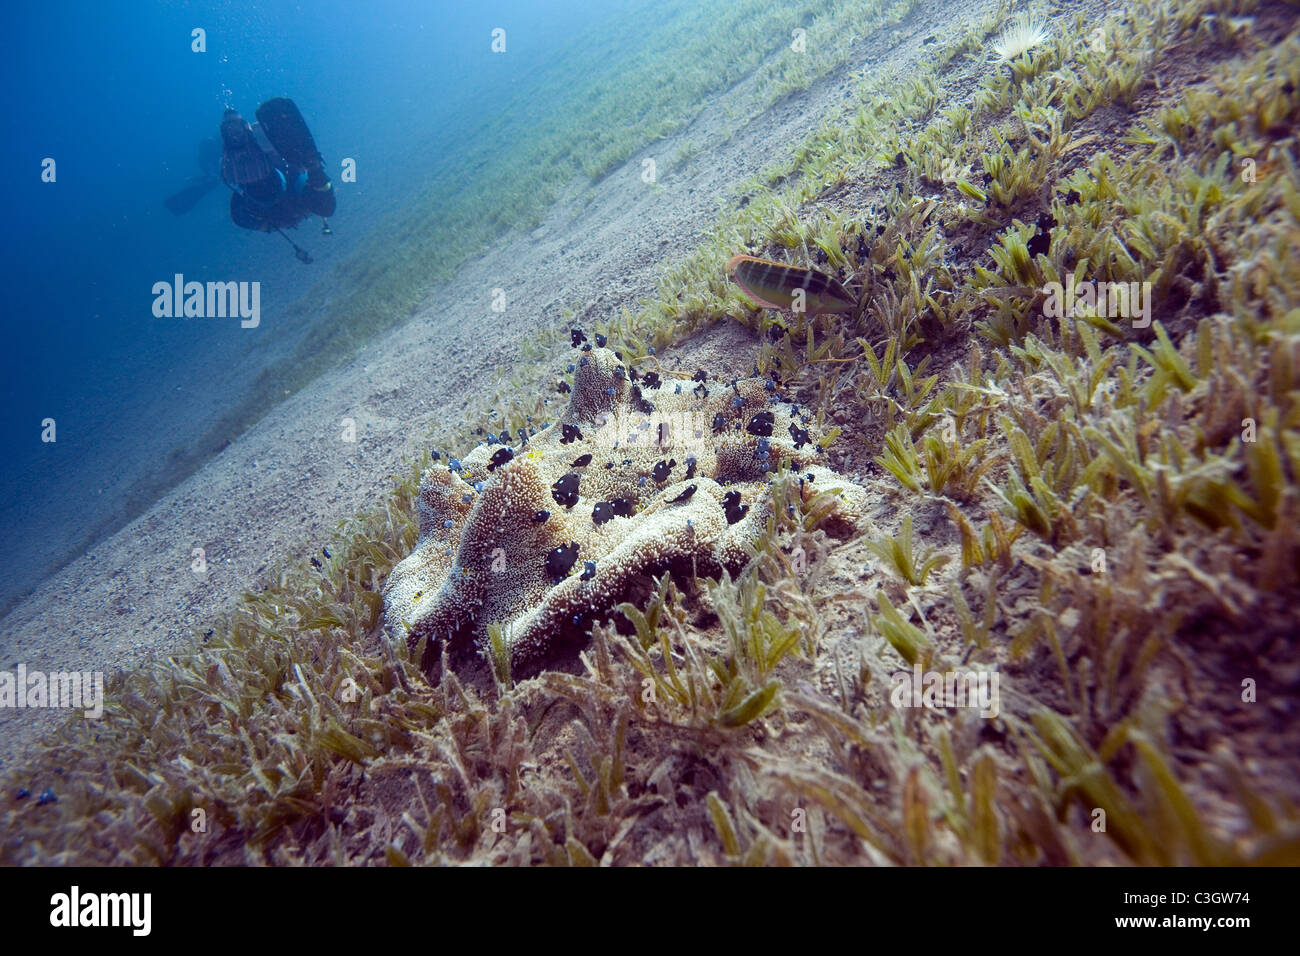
(640, 475)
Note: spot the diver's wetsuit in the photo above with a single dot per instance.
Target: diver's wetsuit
(269, 190)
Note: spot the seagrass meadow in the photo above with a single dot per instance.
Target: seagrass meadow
(1099, 509)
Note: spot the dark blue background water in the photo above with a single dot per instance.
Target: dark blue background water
(113, 92)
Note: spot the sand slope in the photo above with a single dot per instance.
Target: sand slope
(281, 489)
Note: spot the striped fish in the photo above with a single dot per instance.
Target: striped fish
(773, 285)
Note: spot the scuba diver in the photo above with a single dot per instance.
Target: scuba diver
(275, 173)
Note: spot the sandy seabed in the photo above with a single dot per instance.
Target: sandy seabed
(280, 490)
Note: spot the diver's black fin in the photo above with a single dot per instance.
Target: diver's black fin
(189, 197)
(209, 156)
(287, 131)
